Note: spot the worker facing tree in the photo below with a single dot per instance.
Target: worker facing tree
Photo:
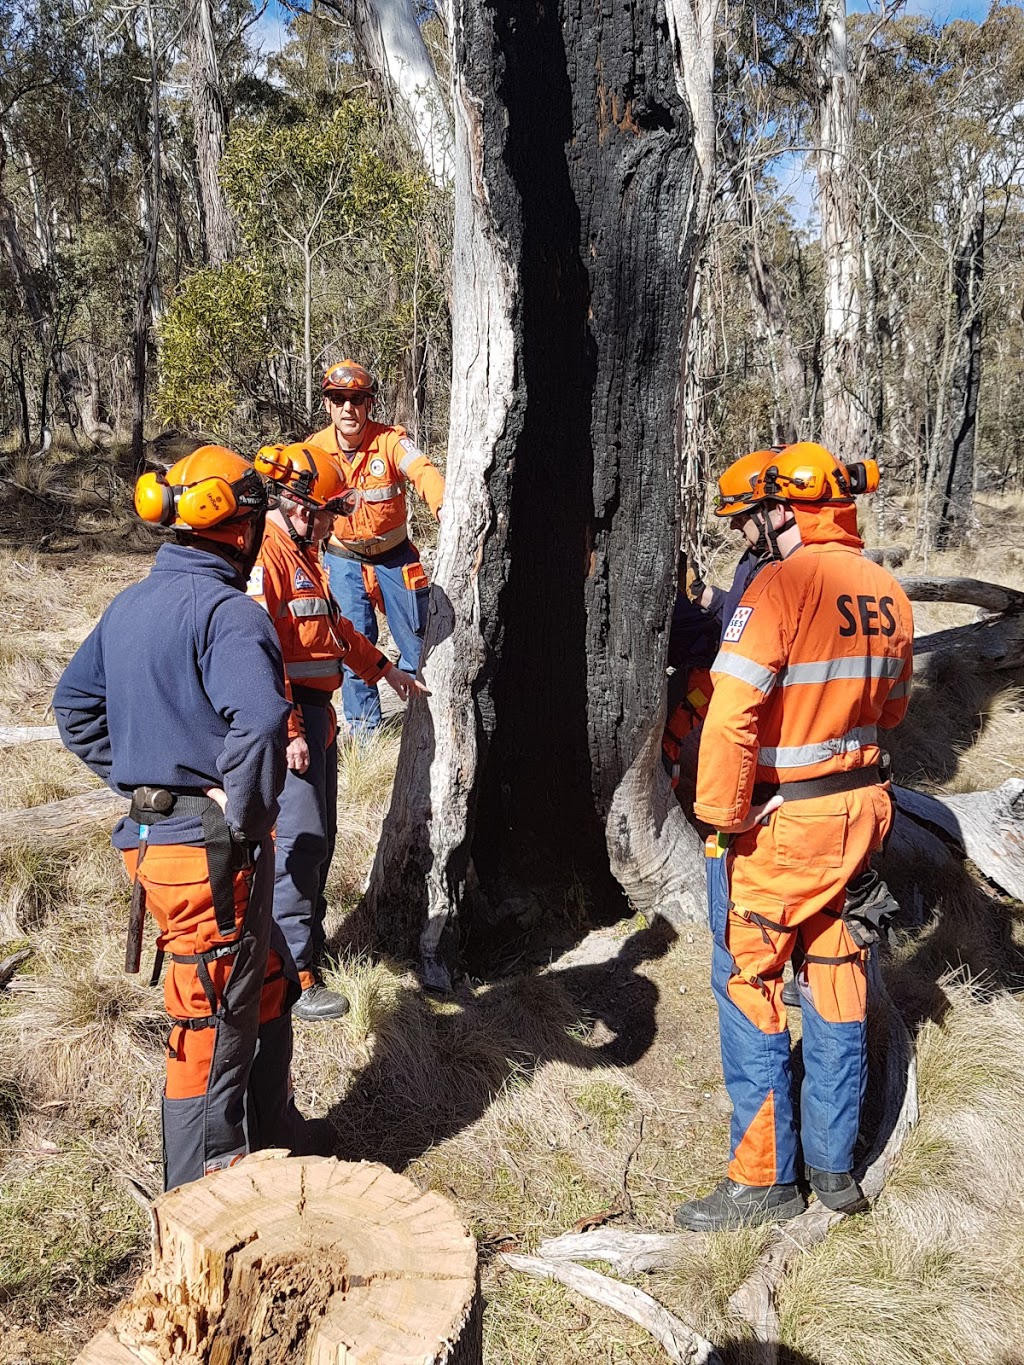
(176, 699)
(371, 562)
(290, 582)
(816, 657)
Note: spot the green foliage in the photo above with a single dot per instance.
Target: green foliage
(214, 341)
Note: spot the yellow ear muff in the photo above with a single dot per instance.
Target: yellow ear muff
(154, 499)
(207, 503)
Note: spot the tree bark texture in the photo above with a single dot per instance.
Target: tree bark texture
(210, 130)
(536, 759)
(390, 39)
(843, 426)
(956, 511)
(149, 150)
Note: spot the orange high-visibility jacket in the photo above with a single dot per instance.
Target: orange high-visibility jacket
(378, 471)
(818, 655)
(292, 585)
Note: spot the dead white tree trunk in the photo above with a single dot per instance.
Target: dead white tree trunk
(210, 125)
(844, 429)
(390, 40)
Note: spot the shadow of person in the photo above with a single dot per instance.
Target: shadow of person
(437, 1065)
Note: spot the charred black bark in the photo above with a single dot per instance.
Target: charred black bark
(575, 177)
(958, 475)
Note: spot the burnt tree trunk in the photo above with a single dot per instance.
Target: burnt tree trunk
(536, 761)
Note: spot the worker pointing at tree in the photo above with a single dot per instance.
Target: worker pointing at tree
(177, 700)
(290, 582)
(369, 556)
(815, 659)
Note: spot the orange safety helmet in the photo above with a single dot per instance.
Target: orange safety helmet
(736, 484)
(349, 376)
(807, 472)
(212, 493)
(305, 474)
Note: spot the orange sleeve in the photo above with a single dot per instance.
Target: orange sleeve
(413, 465)
(362, 657)
(264, 587)
(754, 649)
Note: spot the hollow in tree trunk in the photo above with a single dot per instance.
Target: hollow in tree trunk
(536, 761)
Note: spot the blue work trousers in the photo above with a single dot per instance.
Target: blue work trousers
(304, 841)
(406, 610)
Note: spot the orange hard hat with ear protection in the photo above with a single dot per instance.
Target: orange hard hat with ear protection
(736, 484)
(807, 472)
(207, 489)
(306, 474)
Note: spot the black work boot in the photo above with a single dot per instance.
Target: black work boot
(731, 1205)
(837, 1190)
(317, 1002)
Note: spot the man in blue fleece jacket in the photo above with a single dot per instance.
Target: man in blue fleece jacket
(177, 700)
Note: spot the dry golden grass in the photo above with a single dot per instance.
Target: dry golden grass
(528, 1100)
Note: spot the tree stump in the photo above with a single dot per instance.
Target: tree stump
(287, 1260)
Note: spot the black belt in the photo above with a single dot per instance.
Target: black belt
(225, 853)
(311, 696)
(342, 552)
(828, 785)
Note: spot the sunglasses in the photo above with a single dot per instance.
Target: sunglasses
(358, 400)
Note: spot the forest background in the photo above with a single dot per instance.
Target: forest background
(193, 220)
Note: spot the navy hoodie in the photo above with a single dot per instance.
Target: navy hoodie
(181, 685)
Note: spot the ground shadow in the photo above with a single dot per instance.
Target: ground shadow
(589, 1015)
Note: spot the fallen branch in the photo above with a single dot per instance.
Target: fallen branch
(971, 592)
(988, 826)
(60, 820)
(629, 1253)
(11, 964)
(11, 735)
(681, 1343)
(892, 556)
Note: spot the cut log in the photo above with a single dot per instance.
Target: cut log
(57, 821)
(987, 825)
(281, 1260)
(682, 1344)
(995, 643)
(10, 735)
(972, 592)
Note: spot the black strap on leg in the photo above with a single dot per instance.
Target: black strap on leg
(764, 924)
(834, 961)
(221, 858)
(158, 968)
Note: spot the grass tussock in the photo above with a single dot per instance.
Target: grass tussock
(33, 774)
(365, 774)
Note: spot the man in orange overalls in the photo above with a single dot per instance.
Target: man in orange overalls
(369, 555)
(176, 699)
(290, 582)
(816, 657)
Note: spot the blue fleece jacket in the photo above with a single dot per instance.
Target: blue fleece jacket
(181, 685)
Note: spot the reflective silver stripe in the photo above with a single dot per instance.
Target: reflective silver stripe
(803, 755)
(310, 606)
(315, 668)
(902, 689)
(829, 670)
(392, 490)
(408, 459)
(737, 666)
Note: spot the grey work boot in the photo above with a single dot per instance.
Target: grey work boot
(317, 1002)
(837, 1190)
(791, 995)
(731, 1205)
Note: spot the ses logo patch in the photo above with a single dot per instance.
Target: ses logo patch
(254, 587)
(303, 580)
(736, 626)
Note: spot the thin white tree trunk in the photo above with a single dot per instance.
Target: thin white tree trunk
(209, 120)
(390, 39)
(843, 425)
